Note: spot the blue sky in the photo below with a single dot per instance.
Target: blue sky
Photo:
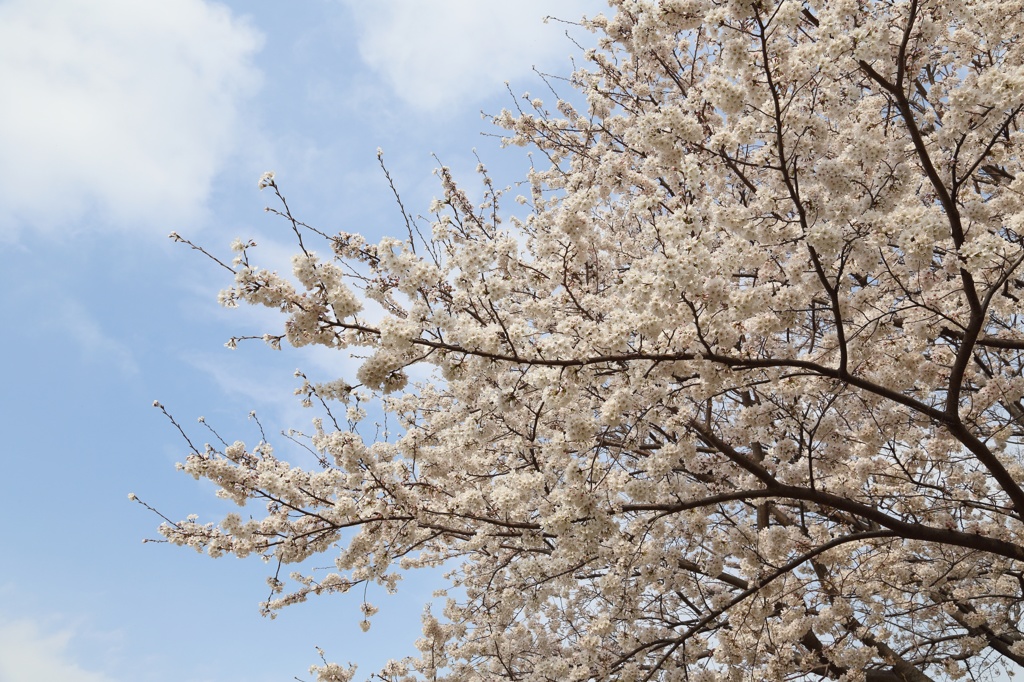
(125, 120)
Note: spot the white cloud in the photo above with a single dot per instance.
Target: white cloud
(434, 54)
(27, 654)
(117, 109)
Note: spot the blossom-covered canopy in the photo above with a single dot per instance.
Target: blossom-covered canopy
(734, 393)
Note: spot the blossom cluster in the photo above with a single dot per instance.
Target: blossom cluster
(739, 398)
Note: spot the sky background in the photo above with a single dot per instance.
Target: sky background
(121, 122)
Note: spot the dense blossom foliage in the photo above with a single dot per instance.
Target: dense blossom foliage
(737, 395)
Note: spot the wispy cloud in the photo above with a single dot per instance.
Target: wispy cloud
(91, 339)
(434, 54)
(117, 109)
(29, 654)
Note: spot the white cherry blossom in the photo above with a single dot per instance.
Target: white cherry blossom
(738, 399)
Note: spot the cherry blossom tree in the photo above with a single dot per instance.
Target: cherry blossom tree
(733, 394)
